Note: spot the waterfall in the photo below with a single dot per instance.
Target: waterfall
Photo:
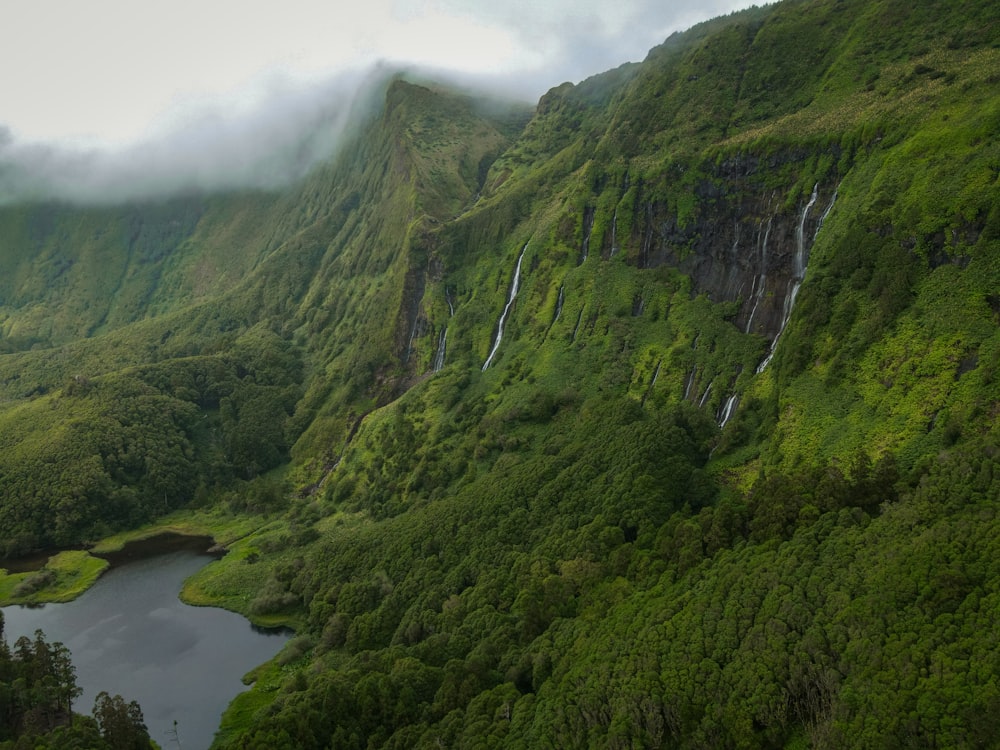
(761, 282)
(825, 213)
(798, 274)
(690, 382)
(588, 225)
(510, 301)
(728, 409)
(579, 319)
(734, 278)
(652, 383)
(800, 242)
(614, 233)
(559, 305)
(647, 238)
(439, 356)
(409, 344)
(443, 336)
(704, 396)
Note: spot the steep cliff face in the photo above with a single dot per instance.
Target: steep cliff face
(415, 229)
(740, 209)
(746, 242)
(336, 268)
(672, 364)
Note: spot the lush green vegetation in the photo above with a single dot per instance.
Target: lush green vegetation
(824, 608)
(565, 549)
(63, 577)
(122, 448)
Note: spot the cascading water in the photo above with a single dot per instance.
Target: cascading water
(647, 239)
(409, 343)
(826, 213)
(690, 380)
(576, 328)
(761, 282)
(442, 343)
(690, 383)
(443, 336)
(734, 279)
(704, 396)
(506, 310)
(798, 274)
(614, 233)
(559, 305)
(588, 225)
(652, 382)
(800, 240)
(727, 410)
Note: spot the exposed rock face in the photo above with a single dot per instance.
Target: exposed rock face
(742, 245)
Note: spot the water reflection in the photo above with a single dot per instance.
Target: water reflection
(130, 634)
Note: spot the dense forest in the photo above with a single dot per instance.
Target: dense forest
(663, 413)
(37, 690)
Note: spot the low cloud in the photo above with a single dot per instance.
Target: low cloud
(271, 145)
(289, 124)
(212, 148)
(570, 41)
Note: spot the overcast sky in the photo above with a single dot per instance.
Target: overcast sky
(89, 90)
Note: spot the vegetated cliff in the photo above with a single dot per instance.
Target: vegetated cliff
(331, 271)
(667, 417)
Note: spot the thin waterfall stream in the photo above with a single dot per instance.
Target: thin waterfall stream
(559, 304)
(728, 408)
(506, 310)
(798, 274)
(614, 233)
(690, 382)
(443, 336)
(761, 281)
(439, 354)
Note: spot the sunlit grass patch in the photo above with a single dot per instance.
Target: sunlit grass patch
(64, 577)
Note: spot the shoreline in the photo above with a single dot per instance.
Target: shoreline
(68, 574)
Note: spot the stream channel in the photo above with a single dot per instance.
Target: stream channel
(130, 634)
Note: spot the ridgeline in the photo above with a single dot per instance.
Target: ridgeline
(661, 414)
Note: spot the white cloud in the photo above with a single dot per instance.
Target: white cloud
(93, 89)
(253, 145)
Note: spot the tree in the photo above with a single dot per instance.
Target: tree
(122, 725)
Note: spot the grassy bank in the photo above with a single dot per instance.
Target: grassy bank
(241, 581)
(66, 575)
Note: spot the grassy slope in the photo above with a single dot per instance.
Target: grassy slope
(891, 349)
(907, 150)
(495, 519)
(338, 253)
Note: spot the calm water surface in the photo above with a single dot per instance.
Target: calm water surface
(130, 634)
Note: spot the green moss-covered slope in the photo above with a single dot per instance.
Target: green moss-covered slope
(721, 473)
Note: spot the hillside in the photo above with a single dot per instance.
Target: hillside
(664, 414)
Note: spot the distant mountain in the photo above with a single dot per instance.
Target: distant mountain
(663, 414)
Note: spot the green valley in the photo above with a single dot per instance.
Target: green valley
(663, 413)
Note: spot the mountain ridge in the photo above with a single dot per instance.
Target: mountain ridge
(753, 342)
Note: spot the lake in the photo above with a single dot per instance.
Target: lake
(130, 634)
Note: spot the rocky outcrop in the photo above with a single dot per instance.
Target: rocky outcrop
(742, 244)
